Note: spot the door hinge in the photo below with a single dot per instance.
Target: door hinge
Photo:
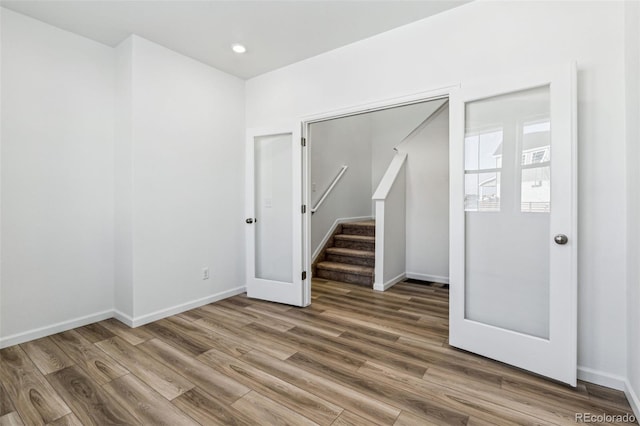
(304, 208)
(304, 275)
(303, 141)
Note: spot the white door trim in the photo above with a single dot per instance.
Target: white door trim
(430, 94)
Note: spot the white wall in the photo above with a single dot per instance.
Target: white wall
(502, 37)
(428, 201)
(123, 191)
(389, 127)
(57, 178)
(632, 58)
(122, 172)
(334, 143)
(188, 170)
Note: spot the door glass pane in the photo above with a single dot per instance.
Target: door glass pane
(273, 207)
(483, 161)
(535, 191)
(507, 247)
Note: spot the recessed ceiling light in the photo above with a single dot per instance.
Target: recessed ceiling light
(238, 48)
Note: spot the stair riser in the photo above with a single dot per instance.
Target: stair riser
(344, 277)
(356, 245)
(351, 260)
(369, 231)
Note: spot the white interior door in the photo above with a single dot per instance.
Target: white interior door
(513, 251)
(274, 217)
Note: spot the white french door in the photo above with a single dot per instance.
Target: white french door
(513, 221)
(274, 217)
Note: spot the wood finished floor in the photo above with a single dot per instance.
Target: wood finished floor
(354, 357)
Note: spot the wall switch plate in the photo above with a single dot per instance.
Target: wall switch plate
(205, 273)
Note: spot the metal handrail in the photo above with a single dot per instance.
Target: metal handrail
(329, 189)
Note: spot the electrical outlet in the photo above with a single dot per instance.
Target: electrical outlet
(205, 273)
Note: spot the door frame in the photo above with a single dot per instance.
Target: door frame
(433, 94)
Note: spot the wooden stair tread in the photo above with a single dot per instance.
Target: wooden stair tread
(346, 268)
(351, 252)
(349, 237)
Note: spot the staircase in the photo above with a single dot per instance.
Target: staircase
(349, 255)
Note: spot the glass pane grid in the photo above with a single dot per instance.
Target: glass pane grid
(483, 161)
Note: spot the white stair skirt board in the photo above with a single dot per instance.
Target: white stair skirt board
(426, 277)
(634, 399)
(26, 336)
(173, 310)
(386, 286)
(338, 221)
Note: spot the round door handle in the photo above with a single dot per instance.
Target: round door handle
(249, 221)
(561, 239)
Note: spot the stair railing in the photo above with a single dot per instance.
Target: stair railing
(327, 191)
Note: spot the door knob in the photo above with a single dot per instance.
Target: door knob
(561, 239)
(249, 221)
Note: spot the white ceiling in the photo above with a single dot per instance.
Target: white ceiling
(276, 33)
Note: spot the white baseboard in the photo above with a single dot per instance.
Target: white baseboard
(16, 339)
(338, 221)
(37, 333)
(393, 281)
(633, 397)
(601, 378)
(123, 318)
(163, 313)
(431, 278)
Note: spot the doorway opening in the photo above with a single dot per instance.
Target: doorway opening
(378, 185)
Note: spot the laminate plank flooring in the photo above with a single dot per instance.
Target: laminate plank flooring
(347, 418)
(305, 403)
(46, 355)
(11, 419)
(101, 367)
(6, 406)
(94, 332)
(68, 420)
(157, 375)
(208, 410)
(89, 401)
(134, 336)
(33, 397)
(265, 411)
(354, 357)
(148, 406)
(223, 387)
